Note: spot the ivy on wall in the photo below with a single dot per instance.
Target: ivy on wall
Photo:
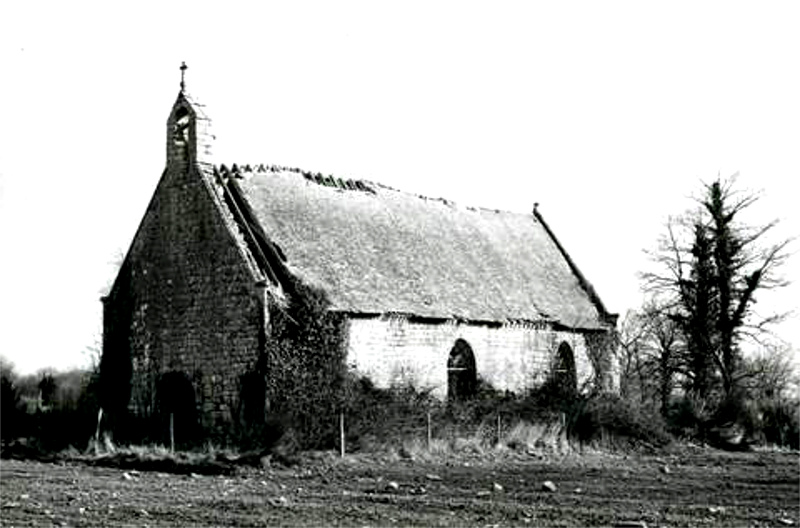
(297, 385)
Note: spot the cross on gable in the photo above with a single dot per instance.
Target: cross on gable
(183, 74)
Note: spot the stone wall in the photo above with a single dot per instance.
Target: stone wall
(392, 350)
(187, 298)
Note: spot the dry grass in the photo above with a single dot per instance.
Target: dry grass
(155, 457)
(538, 437)
(521, 439)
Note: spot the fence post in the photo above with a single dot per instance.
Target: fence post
(429, 430)
(498, 428)
(341, 434)
(97, 431)
(172, 432)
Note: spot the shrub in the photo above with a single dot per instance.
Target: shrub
(686, 417)
(10, 411)
(71, 419)
(607, 420)
(780, 423)
(774, 421)
(68, 419)
(379, 417)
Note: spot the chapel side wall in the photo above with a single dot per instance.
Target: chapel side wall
(513, 357)
(188, 301)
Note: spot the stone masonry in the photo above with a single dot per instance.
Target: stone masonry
(187, 299)
(393, 350)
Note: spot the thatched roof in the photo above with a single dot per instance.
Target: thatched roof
(376, 250)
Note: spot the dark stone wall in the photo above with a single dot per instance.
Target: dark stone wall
(185, 301)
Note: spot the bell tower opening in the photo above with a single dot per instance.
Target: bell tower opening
(180, 131)
(180, 145)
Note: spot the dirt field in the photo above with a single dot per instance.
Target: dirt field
(703, 488)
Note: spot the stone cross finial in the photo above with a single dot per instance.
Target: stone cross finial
(183, 73)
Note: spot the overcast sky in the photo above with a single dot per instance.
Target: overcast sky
(608, 114)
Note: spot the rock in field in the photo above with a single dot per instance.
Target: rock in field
(548, 485)
(630, 524)
(279, 501)
(406, 454)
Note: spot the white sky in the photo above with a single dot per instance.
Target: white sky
(609, 114)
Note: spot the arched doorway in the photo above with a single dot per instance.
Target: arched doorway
(462, 379)
(564, 375)
(177, 409)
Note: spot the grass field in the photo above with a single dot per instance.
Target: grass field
(693, 488)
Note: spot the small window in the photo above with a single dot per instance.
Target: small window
(462, 379)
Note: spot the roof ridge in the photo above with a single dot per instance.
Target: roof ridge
(241, 171)
(349, 184)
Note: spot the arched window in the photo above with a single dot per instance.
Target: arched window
(462, 379)
(564, 374)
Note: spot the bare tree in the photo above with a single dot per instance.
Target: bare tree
(710, 268)
(650, 354)
(770, 373)
(631, 338)
(666, 351)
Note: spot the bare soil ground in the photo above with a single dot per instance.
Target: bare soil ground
(698, 488)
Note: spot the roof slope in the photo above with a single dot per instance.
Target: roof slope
(377, 250)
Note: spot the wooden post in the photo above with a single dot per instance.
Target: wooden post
(429, 431)
(341, 434)
(99, 419)
(172, 432)
(97, 431)
(498, 428)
